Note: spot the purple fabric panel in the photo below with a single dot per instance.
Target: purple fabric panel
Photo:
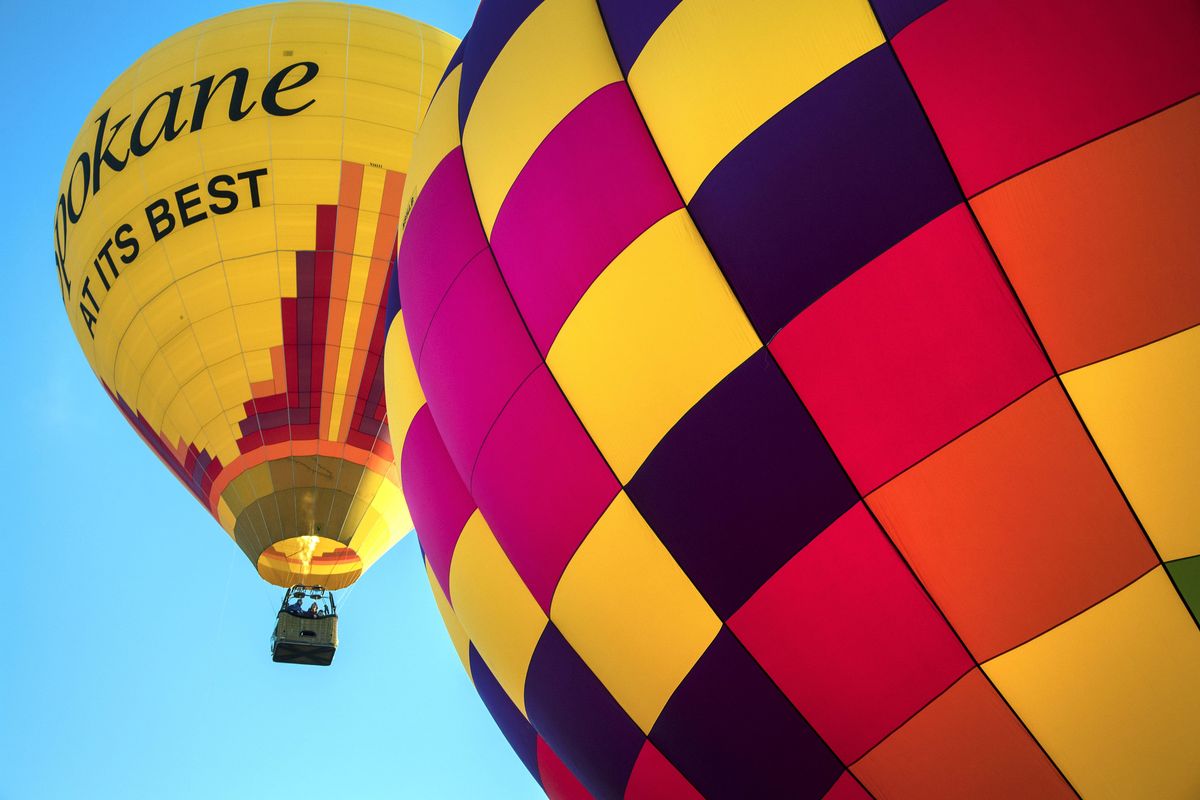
(435, 494)
(895, 15)
(516, 729)
(441, 236)
(393, 296)
(630, 25)
(579, 719)
(266, 420)
(831, 181)
(476, 355)
(740, 484)
(541, 484)
(733, 734)
(593, 186)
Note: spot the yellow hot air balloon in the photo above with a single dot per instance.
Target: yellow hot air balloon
(223, 236)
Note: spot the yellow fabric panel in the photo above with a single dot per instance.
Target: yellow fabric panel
(213, 53)
(294, 231)
(190, 249)
(258, 364)
(1141, 408)
(173, 167)
(259, 326)
(154, 374)
(204, 292)
(306, 182)
(233, 144)
(218, 339)
(1112, 694)
(439, 135)
(368, 100)
(404, 396)
(559, 56)
(301, 136)
(150, 278)
(632, 615)
(225, 517)
(201, 396)
(390, 523)
(701, 97)
(656, 331)
(494, 606)
(249, 233)
(309, 25)
(253, 279)
(230, 381)
(120, 307)
(165, 316)
(458, 636)
(377, 145)
(372, 31)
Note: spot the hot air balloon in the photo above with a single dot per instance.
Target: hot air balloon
(810, 393)
(224, 232)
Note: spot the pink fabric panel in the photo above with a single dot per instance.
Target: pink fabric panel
(1010, 83)
(593, 186)
(847, 633)
(441, 236)
(912, 350)
(476, 355)
(655, 778)
(435, 494)
(847, 789)
(541, 484)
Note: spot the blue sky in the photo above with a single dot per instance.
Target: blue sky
(136, 659)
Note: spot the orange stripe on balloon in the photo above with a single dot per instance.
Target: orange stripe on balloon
(349, 200)
(278, 369)
(281, 450)
(350, 191)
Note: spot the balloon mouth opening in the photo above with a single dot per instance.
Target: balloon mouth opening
(310, 560)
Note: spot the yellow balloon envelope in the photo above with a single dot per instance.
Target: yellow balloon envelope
(224, 232)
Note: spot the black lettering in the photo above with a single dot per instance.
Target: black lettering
(63, 283)
(100, 270)
(252, 176)
(103, 152)
(89, 318)
(274, 87)
(237, 94)
(160, 211)
(222, 194)
(127, 242)
(86, 291)
(73, 213)
(191, 202)
(167, 130)
(60, 246)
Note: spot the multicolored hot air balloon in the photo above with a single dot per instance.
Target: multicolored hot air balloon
(811, 393)
(225, 229)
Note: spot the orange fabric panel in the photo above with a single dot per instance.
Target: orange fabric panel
(350, 191)
(1015, 526)
(1102, 244)
(279, 369)
(301, 447)
(966, 743)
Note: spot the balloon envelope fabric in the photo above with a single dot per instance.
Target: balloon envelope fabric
(224, 235)
(810, 393)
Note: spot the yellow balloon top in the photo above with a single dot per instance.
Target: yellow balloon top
(223, 235)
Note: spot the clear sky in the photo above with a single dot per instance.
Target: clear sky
(135, 660)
